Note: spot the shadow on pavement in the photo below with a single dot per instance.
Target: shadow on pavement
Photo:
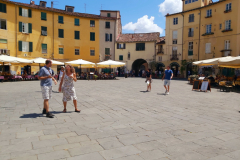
(143, 91)
(36, 115)
(163, 94)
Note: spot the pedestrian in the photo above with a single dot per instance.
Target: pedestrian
(149, 80)
(45, 77)
(168, 75)
(67, 87)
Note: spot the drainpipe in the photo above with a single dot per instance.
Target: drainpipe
(199, 35)
(182, 34)
(16, 28)
(53, 31)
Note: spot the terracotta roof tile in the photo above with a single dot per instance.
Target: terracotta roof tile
(139, 37)
(60, 11)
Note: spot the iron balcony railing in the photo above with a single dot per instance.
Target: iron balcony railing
(174, 57)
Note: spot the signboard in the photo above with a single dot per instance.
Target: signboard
(205, 86)
(196, 85)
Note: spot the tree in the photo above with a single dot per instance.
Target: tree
(153, 65)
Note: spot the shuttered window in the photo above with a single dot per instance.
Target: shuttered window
(20, 45)
(3, 8)
(209, 28)
(191, 18)
(110, 37)
(107, 37)
(76, 22)
(121, 46)
(107, 51)
(92, 36)
(92, 51)
(43, 16)
(60, 50)
(43, 31)
(208, 48)
(77, 35)
(3, 24)
(92, 23)
(190, 48)
(108, 14)
(44, 48)
(77, 52)
(107, 25)
(25, 12)
(25, 27)
(60, 33)
(29, 13)
(228, 25)
(3, 40)
(140, 46)
(60, 19)
(120, 57)
(227, 44)
(25, 46)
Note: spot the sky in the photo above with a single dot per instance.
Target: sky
(138, 16)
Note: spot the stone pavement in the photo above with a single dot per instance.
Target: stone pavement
(120, 121)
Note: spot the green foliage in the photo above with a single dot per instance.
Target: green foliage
(153, 65)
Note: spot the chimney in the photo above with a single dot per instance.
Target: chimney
(43, 3)
(69, 8)
(32, 2)
(51, 4)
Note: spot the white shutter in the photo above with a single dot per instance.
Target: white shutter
(26, 27)
(175, 34)
(25, 12)
(227, 44)
(25, 46)
(208, 48)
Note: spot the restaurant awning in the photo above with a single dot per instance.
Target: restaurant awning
(110, 63)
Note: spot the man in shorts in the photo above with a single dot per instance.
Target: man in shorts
(45, 77)
(167, 79)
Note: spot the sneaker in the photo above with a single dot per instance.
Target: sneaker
(49, 115)
(44, 111)
(167, 93)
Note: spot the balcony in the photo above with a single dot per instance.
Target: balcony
(226, 52)
(226, 30)
(174, 57)
(4, 52)
(44, 33)
(107, 57)
(159, 51)
(207, 34)
(190, 34)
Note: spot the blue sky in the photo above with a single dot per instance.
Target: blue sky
(137, 15)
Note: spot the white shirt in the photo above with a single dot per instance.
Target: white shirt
(61, 74)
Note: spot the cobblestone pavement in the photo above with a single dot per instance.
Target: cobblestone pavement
(120, 121)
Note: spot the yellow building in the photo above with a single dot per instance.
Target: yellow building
(136, 50)
(209, 30)
(31, 31)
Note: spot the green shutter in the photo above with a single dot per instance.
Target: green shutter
(20, 11)
(44, 46)
(29, 13)
(77, 35)
(60, 19)
(3, 8)
(110, 37)
(20, 45)
(120, 57)
(30, 46)
(76, 22)
(29, 27)
(93, 36)
(20, 26)
(60, 33)
(43, 16)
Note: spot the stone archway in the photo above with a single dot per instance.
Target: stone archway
(139, 64)
(175, 67)
(160, 66)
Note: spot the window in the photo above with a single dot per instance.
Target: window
(107, 25)
(60, 50)
(25, 27)
(25, 12)
(209, 28)
(92, 23)
(228, 6)
(107, 51)
(3, 8)
(191, 18)
(92, 51)
(190, 48)
(3, 40)
(121, 46)
(77, 52)
(174, 51)
(120, 57)
(209, 13)
(175, 21)
(190, 1)
(140, 46)
(190, 32)
(77, 34)
(60, 33)
(108, 14)
(60, 19)
(175, 37)
(43, 31)
(25, 46)
(108, 37)
(92, 36)
(3, 24)
(43, 16)
(228, 25)
(44, 48)
(4, 51)
(160, 58)
(76, 22)
(220, 26)
(208, 48)
(129, 55)
(227, 45)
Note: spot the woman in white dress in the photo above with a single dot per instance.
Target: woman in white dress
(67, 87)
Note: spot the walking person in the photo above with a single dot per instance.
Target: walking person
(45, 77)
(61, 73)
(168, 75)
(67, 87)
(149, 80)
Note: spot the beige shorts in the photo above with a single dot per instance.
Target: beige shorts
(46, 92)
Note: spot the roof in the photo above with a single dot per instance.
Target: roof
(161, 40)
(34, 6)
(110, 10)
(139, 37)
(210, 4)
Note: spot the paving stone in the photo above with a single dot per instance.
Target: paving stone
(29, 134)
(66, 146)
(90, 156)
(227, 136)
(111, 144)
(49, 143)
(16, 147)
(208, 141)
(148, 146)
(69, 134)
(170, 141)
(154, 154)
(133, 157)
(221, 157)
(213, 151)
(234, 155)
(23, 140)
(56, 131)
(189, 156)
(45, 137)
(77, 139)
(54, 155)
(31, 152)
(5, 156)
(84, 143)
(119, 152)
(85, 149)
(27, 158)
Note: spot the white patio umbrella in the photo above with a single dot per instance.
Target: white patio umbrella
(82, 63)
(213, 61)
(43, 61)
(110, 63)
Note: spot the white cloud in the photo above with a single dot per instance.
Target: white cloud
(170, 6)
(143, 25)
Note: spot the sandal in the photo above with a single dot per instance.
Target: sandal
(65, 110)
(77, 111)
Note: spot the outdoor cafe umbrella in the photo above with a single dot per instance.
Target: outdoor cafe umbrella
(213, 61)
(110, 63)
(82, 63)
(43, 61)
